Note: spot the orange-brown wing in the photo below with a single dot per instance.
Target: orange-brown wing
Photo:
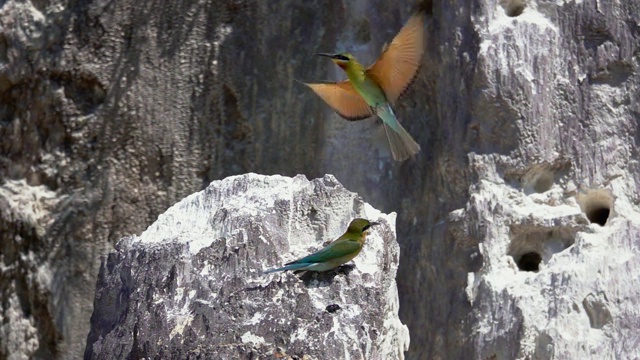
(344, 99)
(399, 63)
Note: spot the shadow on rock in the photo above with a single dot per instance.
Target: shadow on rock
(314, 279)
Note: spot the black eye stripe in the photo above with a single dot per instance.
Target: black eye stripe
(366, 227)
(342, 58)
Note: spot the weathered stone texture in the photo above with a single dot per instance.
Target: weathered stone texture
(120, 109)
(191, 286)
(111, 111)
(545, 96)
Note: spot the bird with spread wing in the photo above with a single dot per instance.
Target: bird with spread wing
(373, 90)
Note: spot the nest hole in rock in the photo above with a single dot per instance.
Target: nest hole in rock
(513, 8)
(543, 183)
(539, 178)
(529, 262)
(532, 247)
(597, 205)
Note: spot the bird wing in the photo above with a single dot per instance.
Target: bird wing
(344, 99)
(334, 250)
(398, 65)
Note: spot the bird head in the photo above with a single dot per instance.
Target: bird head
(359, 226)
(341, 60)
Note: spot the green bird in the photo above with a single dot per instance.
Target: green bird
(340, 251)
(373, 90)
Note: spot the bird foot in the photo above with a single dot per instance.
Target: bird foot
(345, 269)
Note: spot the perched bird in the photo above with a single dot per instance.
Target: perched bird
(373, 90)
(340, 251)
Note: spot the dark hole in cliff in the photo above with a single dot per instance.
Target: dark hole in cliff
(530, 262)
(597, 205)
(513, 8)
(532, 247)
(84, 90)
(599, 215)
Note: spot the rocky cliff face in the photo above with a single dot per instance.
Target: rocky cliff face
(526, 112)
(192, 285)
(552, 129)
(113, 111)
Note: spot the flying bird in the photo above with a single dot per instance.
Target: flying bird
(340, 251)
(372, 91)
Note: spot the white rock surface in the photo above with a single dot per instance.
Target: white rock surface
(577, 298)
(192, 283)
(536, 128)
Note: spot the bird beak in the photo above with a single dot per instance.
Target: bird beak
(330, 56)
(374, 223)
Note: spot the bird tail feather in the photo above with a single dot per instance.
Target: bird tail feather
(298, 266)
(402, 144)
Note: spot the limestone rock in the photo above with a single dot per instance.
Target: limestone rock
(559, 268)
(543, 142)
(191, 285)
(534, 108)
(118, 109)
(111, 111)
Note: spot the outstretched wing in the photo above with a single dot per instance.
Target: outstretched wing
(332, 251)
(343, 98)
(399, 63)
